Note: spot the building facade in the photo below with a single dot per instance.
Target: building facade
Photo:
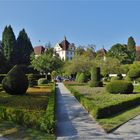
(65, 50)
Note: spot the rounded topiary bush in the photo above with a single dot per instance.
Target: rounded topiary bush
(42, 81)
(122, 87)
(15, 82)
(82, 78)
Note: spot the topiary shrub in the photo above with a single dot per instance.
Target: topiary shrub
(77, 77)
(42, 81)
(95, 77)
(82, 78)
(15, 82)
(122, 87)
(114, 78)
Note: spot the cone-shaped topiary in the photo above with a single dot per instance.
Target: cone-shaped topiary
(15, 82)
(82, 78)
(77, 77)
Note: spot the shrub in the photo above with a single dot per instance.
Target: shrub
(77, 77)
(134, 73)
(39, 118)
(120, 77)
(122, 87)
(42, 81)
(15, 81)
(32, 80)
(82, 78)
(114, 78)
(95, 83)
(103, 110)
(95, 77)
(2, 77)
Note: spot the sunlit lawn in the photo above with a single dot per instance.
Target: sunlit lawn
(36, 99)
(100, 98)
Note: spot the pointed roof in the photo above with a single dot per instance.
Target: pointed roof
(103, 51)
(64, 44)
(39, 50)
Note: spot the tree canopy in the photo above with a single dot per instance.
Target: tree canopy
(24, 48)
(9, 45)
(46, 62)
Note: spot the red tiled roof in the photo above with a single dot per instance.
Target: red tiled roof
(103, 51)
(39, 50)
(137, 48)
(64, 44)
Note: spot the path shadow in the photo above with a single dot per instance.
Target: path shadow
(64, 126)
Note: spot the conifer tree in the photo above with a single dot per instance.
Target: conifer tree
(9, 45)
(24, 48)
(131, 47)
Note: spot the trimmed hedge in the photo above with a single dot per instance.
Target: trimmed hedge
(104, 111)
(2, 76)
(122, 87)
(42, 81)
(15, 82)
(82, 78)
(77, 77)
(42, 120)
(95, 77)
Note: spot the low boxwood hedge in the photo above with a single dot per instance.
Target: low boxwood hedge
(42, 120)
(123, 87)
(105, 111)
(42, 81)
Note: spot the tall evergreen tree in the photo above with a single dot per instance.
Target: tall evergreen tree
(131, 47)
(9, 45)
(24, 47)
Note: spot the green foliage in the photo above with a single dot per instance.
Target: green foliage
(95, 77)
(131, 46)
(2, 77)
(32, 80)
(134, 73)
(95, 83)
(15, 81)
(46, 63)
(42, 81)
(78, 64)
(101, 104)
(122, 87)
(53, 74)
(24, 48)
(82, 78)
(30, 110)
(109, 66)
(77, 77)
(120, 52)
(118, 77)
(9, 45)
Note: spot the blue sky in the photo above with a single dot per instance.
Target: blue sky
(98, 22)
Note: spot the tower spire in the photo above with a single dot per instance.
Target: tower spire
(65, 37)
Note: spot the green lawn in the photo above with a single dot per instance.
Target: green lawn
(97, 101)
(13, 131)
(34, 110)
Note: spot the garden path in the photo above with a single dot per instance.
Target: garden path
(74, 122)
(2, 138)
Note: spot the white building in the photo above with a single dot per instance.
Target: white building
(65, 50)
